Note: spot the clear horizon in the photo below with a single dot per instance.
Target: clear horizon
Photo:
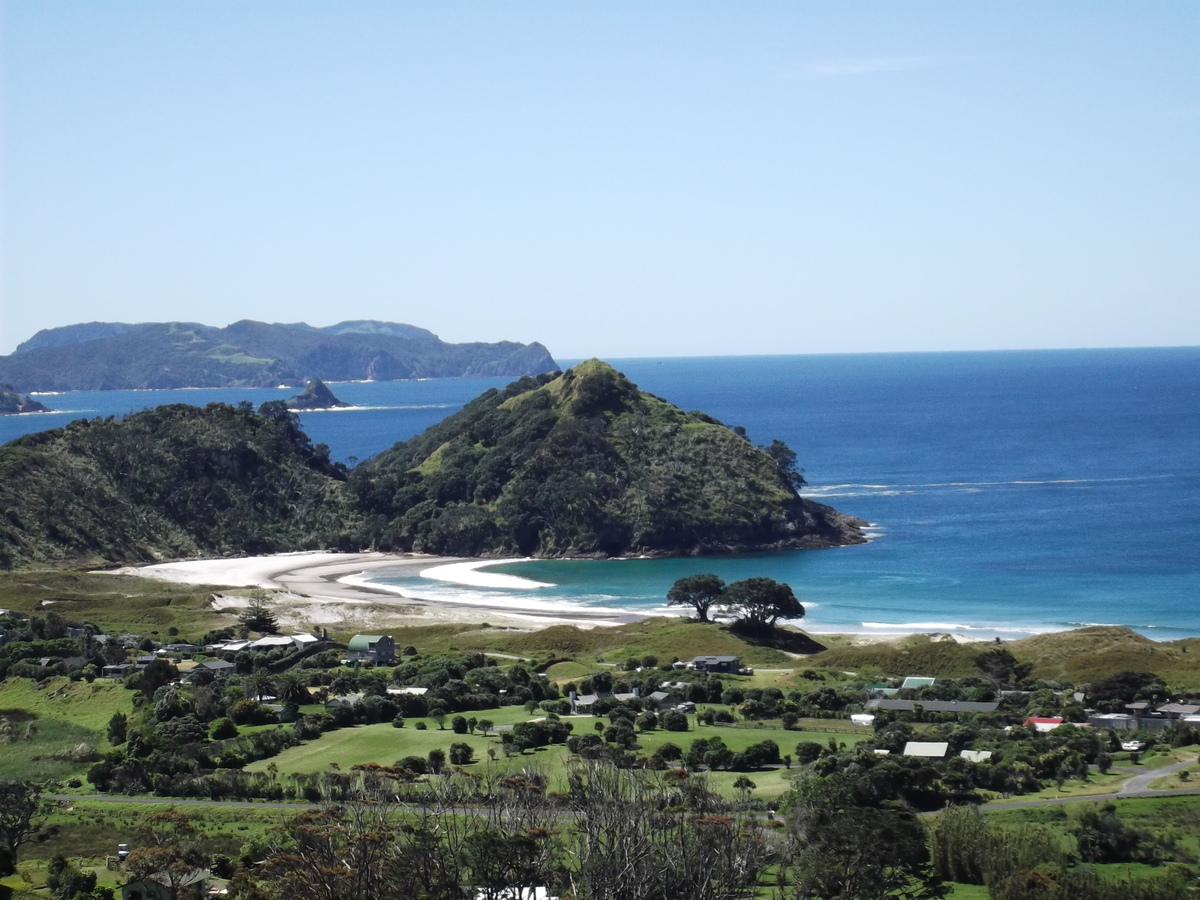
(625, 181)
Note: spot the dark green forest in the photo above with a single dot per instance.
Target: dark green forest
(581, 463)
(170, 482)
(106, 356)
(585, 464)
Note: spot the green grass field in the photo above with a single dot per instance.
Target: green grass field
(50, 719)
(384, 745)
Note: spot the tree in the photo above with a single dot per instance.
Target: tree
(118, 728)
(461, 754)
(20, 816)
(292, 687)
(700, 592)
(760, 602)
(258, 684)
(743, 786)
(438, 715)
(844, 850)
(258, 615)
(1001, 668)
(785, 461)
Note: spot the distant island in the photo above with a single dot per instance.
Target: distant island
(575, 464)
(12, 403)
(100, 356)
(316, 395)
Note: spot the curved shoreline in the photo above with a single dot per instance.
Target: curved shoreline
(333, 589)
(326, 587)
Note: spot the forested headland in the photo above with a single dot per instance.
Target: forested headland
(574, 464)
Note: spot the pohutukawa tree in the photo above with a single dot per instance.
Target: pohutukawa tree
(760, 602)
(700, 592)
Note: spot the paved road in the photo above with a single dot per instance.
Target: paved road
(1137, 786)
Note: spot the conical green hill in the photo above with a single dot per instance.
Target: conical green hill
(583, 463)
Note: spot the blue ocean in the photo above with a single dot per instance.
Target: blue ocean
(1010, 493)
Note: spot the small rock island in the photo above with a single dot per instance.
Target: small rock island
(316, 395)
(12, 403)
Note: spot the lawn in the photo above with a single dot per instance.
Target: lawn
(385, 745)
(380, 744)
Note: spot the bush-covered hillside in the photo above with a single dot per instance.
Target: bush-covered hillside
(583, 463)
(170, 482)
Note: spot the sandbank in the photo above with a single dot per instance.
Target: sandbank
(325, 589)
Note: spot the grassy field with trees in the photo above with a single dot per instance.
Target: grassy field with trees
(470, 736)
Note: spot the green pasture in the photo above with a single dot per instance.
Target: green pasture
(381, 744)
(91, 829)
(384, 745)
(45, 723)
(114, 602)
(86, 705)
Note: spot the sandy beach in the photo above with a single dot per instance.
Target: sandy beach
(322, 589)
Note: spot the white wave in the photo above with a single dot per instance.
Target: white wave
(467, 573)
(507, 602)
(925, 626)
(917, 627)
(369, 408)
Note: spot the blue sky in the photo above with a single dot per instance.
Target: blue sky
(612, 179)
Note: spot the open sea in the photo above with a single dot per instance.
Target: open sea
(1009, 493)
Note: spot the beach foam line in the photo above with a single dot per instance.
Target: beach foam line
(469, 574)
(926, 626)
(483, 599)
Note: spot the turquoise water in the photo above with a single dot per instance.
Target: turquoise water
(1012, 492)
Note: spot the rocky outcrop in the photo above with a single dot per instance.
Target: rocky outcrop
(12, 403)
(316, 395)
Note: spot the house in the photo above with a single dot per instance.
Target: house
(976, 756)
(177, 650)
(582, 703)
(514, 893)
(1115, 721)
(928, 749)
(862, 719)
(300, 641)
(950, 706)
(1179, 710)
(218, 667)
(120, 670)
(1043, 725)
(190, 886)
(379, 649)
(728, 664)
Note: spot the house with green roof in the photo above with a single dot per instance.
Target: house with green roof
(379, 649)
